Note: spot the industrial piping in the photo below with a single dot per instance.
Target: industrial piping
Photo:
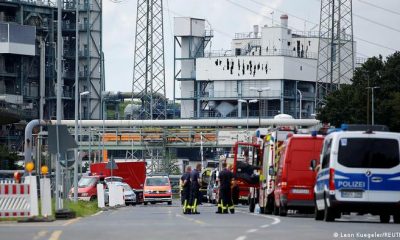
(163, 123)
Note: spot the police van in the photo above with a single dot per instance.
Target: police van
(359, 172)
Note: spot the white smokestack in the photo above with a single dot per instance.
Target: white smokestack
(284, 21)
(256, 30)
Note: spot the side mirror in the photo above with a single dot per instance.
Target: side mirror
(313, 165)
(271, 171)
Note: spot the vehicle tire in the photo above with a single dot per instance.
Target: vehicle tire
(145, 203)
(318, 215)
(93, 198)
(133, 204)
(329, 213)
(282, 211)
(153, 203)
(396, 218)
(252, 205)
(385, 218)
(169, 203)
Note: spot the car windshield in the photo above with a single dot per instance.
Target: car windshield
(160, 181)
(368, 152)
(113, 179)
(86, 182)
(127, 188)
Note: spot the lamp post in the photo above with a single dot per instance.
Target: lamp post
(301, 99)
(372, 104)
(247, 116)
(76, 99)
(260, 90)
(80, 114)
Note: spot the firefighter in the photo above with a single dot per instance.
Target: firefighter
(225, 179)
(195, 188)
(185, 190)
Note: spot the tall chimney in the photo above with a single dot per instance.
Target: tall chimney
(256, 30)
(284, 21)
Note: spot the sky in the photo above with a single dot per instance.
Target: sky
(372, 24)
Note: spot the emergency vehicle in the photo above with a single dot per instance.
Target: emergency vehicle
(359, 172)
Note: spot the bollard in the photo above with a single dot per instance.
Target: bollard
(100, 195)
(112, 195)
(31, 180)
(45, 196)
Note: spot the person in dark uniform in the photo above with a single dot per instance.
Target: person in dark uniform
(185, 190)
(225, 179)
(195, 188)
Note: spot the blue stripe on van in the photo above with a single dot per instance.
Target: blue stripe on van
(360, 181)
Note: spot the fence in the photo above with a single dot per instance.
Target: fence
(14, 200)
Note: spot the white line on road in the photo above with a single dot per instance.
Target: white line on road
(252, 230)
(40, 234)
(265, 226)
(71, 221)
(241, 238)
(191, 219)
(55, 235)
(98, 213)
(276, 220)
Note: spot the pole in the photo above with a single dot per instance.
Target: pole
(259, 108)
(301, 99)
(59, 92)
(372, 107)
(80, 126)
(201, 150)
(247, 131)
(76, 100)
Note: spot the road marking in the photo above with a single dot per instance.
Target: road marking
(265, 226)
(276, 220)
(241, 238)
(71, 221)
(98, 213)
(55, 235)
(191, 219)
(40, 235)
(252, 230)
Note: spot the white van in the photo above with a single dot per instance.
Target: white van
(359, 172)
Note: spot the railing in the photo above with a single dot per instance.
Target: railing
(306, 33)
(234, 114)
(270, 52)
(247, 35)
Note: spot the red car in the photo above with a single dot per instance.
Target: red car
(87, 188)
(294, 186)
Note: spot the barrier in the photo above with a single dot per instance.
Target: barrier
(14, 200)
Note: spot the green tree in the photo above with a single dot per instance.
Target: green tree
(351, 104)
(8, 159)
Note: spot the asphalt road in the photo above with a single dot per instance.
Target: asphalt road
(166, 222)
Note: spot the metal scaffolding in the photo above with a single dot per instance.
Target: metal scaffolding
(149, 68)
(336, 48)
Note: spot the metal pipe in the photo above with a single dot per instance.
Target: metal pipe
(76, 98)
(192, 122)
(28, 138)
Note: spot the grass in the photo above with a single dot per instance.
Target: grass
(81, 208)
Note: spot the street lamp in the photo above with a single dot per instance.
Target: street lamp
(260, 90)
(372, 103)
(80, 115)
(301, 99)
(247, 119)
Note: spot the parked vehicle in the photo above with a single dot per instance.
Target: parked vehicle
(359, 172)
(87, 188)
(157, 189)
(294, 178)
(129, 194)
(132, 173)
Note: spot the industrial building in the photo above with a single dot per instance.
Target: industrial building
(268, 71)
(28, 31)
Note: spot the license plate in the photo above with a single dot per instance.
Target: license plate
(348, 194)
(301, 191)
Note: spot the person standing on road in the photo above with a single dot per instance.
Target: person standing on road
(185, 190)
(195, 188)
(225, 179)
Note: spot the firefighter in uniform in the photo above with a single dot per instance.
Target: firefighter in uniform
(225, 179)
(185, 190)
(195, 188)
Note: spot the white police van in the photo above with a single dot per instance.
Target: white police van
(359, 172)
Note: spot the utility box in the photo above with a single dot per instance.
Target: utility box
(17, 39)
(186, 26)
